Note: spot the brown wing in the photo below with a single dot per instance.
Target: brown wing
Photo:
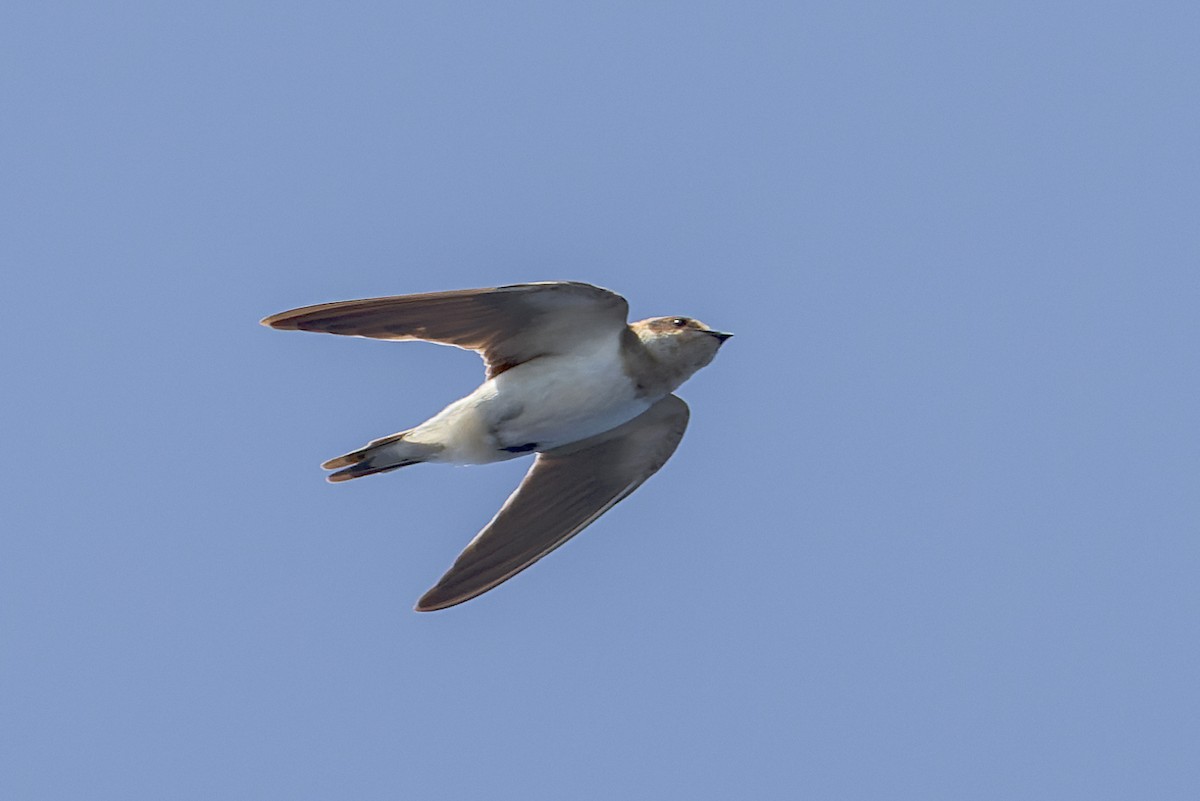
(508, 325)
(565, 490)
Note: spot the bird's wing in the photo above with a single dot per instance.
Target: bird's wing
(566, 489)
(508, 325)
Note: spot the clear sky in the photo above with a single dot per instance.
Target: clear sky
(934, 532)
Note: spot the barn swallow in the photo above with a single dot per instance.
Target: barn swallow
(568, 379)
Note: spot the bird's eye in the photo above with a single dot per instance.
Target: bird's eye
(679, 322)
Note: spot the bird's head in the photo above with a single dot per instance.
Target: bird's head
(682, 343)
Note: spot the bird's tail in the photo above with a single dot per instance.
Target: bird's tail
(379, 456)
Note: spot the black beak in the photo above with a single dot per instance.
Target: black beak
(721, 335)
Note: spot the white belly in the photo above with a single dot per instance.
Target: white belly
(538, 405)
(561, 401)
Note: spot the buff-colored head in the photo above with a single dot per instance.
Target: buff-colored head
(680, 343)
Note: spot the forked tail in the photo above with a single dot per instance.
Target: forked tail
(379, 456)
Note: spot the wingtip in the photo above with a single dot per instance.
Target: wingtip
(276, 321)
(424, 606)
(290, 320)
(431, 601)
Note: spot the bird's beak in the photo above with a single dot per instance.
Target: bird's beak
(721, 335)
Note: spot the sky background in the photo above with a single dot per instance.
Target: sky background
(932, 534)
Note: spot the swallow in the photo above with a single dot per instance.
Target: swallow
(568, 379)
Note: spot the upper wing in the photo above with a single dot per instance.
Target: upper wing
(508, 325)
(565, 490)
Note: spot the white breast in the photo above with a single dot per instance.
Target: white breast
(556, 400)
(544, 403)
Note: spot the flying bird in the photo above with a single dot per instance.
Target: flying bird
(568, 379)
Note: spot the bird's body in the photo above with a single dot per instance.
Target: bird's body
(567, 379)
(538, 405)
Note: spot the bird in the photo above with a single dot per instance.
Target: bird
(568, 380)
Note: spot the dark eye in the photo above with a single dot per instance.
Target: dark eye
(679, 322)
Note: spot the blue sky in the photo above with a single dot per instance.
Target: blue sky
(933, 533)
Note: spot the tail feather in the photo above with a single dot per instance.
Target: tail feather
(379, 456)
(360, 470)
(354, 457)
